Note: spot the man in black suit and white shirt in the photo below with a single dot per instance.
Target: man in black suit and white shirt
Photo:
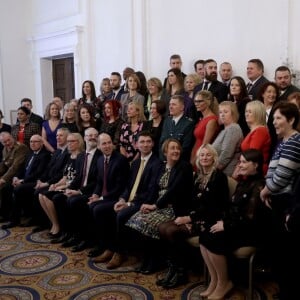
(211, 83)
(255, 71)
(283, 79)
(115, 82)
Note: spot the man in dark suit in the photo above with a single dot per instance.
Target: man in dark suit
(24, 182)
(113, 171)
(52, 173)
(71, 205)
(283, 79)
(178, 126)
(34, 118)
(255, 71)
(211, 83)
(115, 82)
(141, 188)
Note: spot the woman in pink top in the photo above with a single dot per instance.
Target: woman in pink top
(207, 128)
(258, 137)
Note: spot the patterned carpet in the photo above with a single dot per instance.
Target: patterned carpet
(32, 268)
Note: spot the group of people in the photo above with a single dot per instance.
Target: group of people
(151, 164)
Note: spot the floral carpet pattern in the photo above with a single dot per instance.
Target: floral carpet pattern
(32, 268)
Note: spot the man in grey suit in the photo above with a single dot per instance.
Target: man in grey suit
(283, 79)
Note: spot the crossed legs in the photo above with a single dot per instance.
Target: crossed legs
(49, 208)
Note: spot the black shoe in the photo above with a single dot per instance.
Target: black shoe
(9, 225)
(63, 238)
(73, 241)
(151, 267)
(167, 277)
(143, 267)
(81, 246)
(38, 229)
(179, 278)
(95, 252)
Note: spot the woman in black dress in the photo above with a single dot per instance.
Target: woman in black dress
(240, 226)
(209, 198)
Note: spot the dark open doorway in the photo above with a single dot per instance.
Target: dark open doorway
(63, 78)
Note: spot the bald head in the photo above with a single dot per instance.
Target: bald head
(36, 142)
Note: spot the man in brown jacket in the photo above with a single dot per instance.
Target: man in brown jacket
(14, 155)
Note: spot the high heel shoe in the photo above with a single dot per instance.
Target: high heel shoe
(220, 295)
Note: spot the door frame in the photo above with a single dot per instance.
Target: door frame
(47, 47)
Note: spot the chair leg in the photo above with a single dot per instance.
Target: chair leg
(250, 284)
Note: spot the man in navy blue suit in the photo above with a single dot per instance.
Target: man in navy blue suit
(113, 172)
(52, 173)
(141, 188)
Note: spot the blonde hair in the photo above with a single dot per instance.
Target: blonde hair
(155, 81)
(69, 105)
(79, 138)
(210, 100)
(233, 109)
(214, 153)
(258, 110)
(140, 109)
(194, 76)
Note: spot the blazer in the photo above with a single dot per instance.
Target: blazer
(29, 130)
(147, 190)
(92, 175)
(55, 168)
(179, 190)
(37, 166)
(182, 131)
(117, 174)
(218, 89)
(34, 118)
(13, 161)
(289, 90)
(255, 89)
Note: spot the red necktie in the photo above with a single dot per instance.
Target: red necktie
(84, 168)
(104, 189)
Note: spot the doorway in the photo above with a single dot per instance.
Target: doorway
(63, 78)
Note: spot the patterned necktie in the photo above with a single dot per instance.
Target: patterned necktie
(249, 86)
(137, 180)
(29, 165)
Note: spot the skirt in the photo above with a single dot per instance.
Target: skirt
(148, 223)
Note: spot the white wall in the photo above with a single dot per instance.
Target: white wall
(17, 72)
(107, 36)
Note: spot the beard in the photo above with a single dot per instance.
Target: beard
(212, 76)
